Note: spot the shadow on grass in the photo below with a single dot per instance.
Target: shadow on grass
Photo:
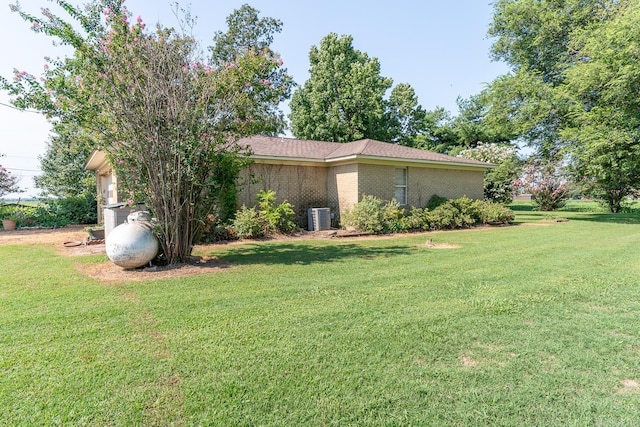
(521, 207)
(620, 218)
(306, 253)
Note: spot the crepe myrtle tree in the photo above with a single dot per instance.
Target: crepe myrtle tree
(168, 119)
(546, 181)
(8, 181)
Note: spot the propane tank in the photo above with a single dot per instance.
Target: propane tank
(133, 243)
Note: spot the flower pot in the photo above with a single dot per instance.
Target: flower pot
(8, 224)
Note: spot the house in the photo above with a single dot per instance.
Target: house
(106, 181)
(320, 174)
(112, 210)
(336, 175)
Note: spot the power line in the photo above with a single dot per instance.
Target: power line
(19, 109)
(23, 170)
(20, 157)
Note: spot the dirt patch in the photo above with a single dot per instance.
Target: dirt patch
(430, 244)
(469, 362)
(48, 236)
(108, 272)
(629, 387)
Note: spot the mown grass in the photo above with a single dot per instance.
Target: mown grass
(534, 324)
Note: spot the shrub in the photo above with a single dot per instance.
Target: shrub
(72, 210)
(372, 215)
(417, 219)
(545, 180)
(435, 201)
(277, 219)
(447, 216)
(493, 213)
(248, 224)
(265, 219)
(469, 210)
(366, 215)
(392, 217)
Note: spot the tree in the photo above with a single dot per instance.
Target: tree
(573, 87)
(477, 122)
(343, 99)
(168, 120)
(603, 125)
(546, 181)
(405, 116)
(498, 182)
(536, 39)
(248, 34)
(438, 133)
(63, 164)
(8, 181)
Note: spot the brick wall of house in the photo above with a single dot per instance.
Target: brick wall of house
(302, 186)
(450, 183)
(422, 183)
(376, 180)
(342, 188)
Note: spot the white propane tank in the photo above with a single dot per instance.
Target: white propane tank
(132, 244)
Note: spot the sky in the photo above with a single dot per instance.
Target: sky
(439, 48)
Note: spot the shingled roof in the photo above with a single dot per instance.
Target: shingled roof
(265, 147)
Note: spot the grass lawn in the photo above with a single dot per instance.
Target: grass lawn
(535, 324)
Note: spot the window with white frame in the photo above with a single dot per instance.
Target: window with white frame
(400, 184)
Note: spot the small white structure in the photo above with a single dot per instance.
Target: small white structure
(132, 244)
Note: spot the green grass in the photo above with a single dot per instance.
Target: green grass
(535, 324)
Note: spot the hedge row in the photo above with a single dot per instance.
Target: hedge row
(372, 215)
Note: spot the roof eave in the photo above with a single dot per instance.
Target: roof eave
(415, 161)
(97, 159)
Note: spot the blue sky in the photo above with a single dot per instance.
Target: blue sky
(440, 48)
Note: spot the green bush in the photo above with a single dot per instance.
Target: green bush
(493, 213)
(278, 219)
(392, 217)
(71, 210)
(372, 215)
(52, 212)
(366, 215)
(435, 201)
(448, 216)
(417, 219)
(265, 219)
(248, 224)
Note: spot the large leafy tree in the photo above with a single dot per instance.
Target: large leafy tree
(168, 119)
(63, 164)
(535, 38)
(573, 88)
(438, 132)
(475, 124)
(344, 98)
(405, 116)
(498, 182)
(604, 125)
(249, 34)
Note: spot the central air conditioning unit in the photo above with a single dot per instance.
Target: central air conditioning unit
(319, 219)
